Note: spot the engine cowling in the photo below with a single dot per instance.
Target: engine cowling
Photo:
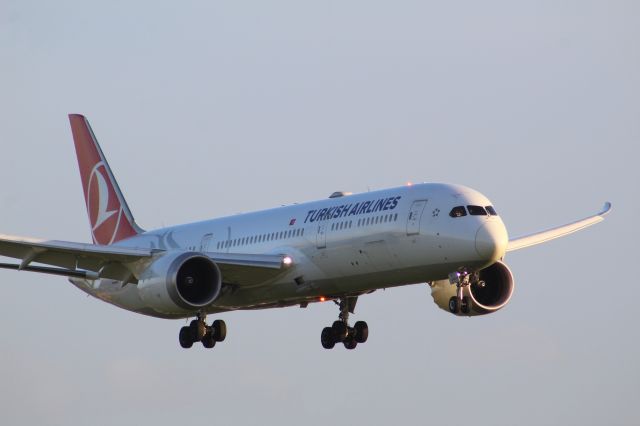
(493, 295)
(178, 283)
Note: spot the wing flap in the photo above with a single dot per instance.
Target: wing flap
(557, 232)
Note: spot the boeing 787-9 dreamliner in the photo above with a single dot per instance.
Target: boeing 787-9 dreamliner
(335, 249)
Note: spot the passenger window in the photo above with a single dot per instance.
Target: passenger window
(491, 211)
(477, 211)
(458, 211)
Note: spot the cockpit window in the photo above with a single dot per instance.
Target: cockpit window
(477, 211)
(491, 210)
(458, 211)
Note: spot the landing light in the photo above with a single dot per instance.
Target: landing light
(287, 261)
(322, 299)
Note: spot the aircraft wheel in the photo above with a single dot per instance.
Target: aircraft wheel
(219, 330)
(465, 305)
(326, 338)
(362, 331)
(453, 305)
(340, 331)
(198, 330)
(209, 340)
(185, 337)
(350, 343)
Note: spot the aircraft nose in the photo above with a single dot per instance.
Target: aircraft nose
(491, 240)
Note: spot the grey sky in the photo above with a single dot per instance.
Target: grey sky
(213, 108)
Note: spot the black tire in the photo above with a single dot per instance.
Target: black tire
(350, 344)
(362, 331)
(465, 306)
(340, 331)
(326, 338)
(185, 337)
(208, 341)
(198, 330)
(219, 330)
(453, 305)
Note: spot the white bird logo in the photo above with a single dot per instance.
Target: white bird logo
(103, 197)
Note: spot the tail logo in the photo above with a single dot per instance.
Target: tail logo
(103, 206)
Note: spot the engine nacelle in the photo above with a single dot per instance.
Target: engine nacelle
(178, 283)
(485, 298)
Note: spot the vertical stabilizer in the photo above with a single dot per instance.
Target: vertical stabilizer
(109, 215)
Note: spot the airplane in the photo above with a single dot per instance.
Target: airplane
(335, 249)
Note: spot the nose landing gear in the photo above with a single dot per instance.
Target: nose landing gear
(341, 332)
(199, 331)
(460, 304)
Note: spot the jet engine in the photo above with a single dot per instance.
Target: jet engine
(178, 283)
(489, 291)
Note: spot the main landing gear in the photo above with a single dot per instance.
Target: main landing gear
(340, 330)
(199, 331)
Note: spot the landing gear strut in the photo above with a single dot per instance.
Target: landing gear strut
(199, 331)
(340, 331)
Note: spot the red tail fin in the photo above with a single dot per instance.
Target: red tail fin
(109, 215)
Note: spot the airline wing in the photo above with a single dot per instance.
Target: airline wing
(560, 231)
(94, 261)
(247, 270)
(69, 258)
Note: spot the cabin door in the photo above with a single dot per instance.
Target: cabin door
(415, 215)
(321, 236)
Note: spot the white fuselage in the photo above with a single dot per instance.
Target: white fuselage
(349, 245)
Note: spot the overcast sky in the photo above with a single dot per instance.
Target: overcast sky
(209, 108)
